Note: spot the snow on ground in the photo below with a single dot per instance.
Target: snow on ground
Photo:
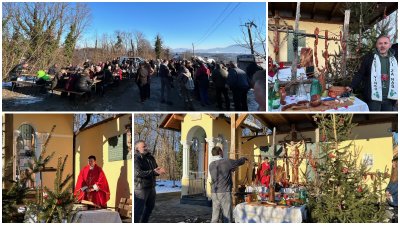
(166, 186)
(27, 100)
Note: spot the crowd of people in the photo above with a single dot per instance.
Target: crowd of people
(192, 79)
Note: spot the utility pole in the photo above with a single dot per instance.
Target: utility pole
(249, 25)
(193, 48)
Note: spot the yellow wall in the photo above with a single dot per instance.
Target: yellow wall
(309, 28)
(222, 127)
(370, 139)
(93, 141)
(191, 120)
(61, 142)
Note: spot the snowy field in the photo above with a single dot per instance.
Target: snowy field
(166, 186)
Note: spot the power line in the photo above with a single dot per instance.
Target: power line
(226, 17)
(215, 22)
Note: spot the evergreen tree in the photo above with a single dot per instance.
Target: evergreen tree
(12, 198)
(158, 46)
(119, 44)
(56, 205)
(361, 40)
(69, 44)
(341, 193)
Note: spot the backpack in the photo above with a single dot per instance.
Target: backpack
(189, 84)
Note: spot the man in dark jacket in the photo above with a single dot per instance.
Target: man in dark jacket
(84, 83)
(219, 76)
(251, 69)
(221, 184)
(378, 72)
(165, 75)
(239, 83)
(146, 170)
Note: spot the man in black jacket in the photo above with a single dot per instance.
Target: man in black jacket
(378, 72)
(221, 185)
(146, 170)
(239, 83)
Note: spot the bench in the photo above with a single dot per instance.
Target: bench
(72, 92)
(26, 84)
(80, 93)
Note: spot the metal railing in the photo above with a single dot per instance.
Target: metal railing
(197, 182)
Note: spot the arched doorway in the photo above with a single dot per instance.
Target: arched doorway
(197, 152)
(26, 150)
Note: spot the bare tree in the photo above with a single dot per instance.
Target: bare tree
(32, 31)
(258, 38)
(162, 142)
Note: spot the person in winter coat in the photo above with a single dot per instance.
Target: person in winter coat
(143, 80)
(145, 172)
(165, 75)
(202, 75)
(239, 84)
(185, 77)
(219, 77)
(84, 83)
(378, 74)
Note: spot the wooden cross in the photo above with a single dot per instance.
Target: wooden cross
(277, 28)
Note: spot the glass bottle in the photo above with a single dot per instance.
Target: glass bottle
(301, 94)
(275, 95)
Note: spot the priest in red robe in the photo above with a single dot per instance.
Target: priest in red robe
(264, 173)
(92, 184)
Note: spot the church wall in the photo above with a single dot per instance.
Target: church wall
(307, 27)
(61, 142)
(373, 140)
(94, 141)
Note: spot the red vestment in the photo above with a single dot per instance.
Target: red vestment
(264, 174)
(88, 178)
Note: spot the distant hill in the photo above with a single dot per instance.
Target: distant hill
(231, 49)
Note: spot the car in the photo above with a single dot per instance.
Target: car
(136, 60)
(243, 61)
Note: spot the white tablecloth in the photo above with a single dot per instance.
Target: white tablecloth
(285, 74)
(244, 213)
(358, 106)
(97, 216)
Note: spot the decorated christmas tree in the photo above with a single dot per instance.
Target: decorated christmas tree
(54, 205)
(341, 192)
(12, 198)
